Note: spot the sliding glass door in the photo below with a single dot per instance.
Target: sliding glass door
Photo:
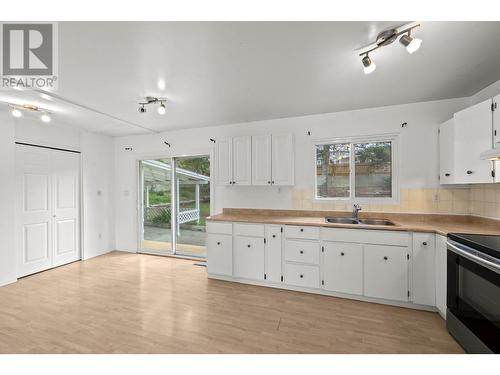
(175, 204)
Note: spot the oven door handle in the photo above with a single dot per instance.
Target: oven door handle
(483, 262)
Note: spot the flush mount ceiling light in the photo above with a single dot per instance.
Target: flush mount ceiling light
(153, 100)
(388, 37)
(17, 110)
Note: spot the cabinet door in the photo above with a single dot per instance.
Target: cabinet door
(261, 160)
(343, 267)
(446, 152)
(473, 135)
(224, 161)
(496, 120)
(273, 253)
(424, 287)
(248, 259)
(242, 160)
(283, 158)
(440, 272)
(386, 272)
(220, 254)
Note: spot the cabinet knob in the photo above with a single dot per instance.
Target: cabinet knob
(269, 182)
(272, 182)
(385, 258)
(447, 174)
(342, 254)
(469, 172)
(301, 229)
(274, 236)
(248, 245)
(424, 243)
(301, 276)
(218, 243)
(302, 251)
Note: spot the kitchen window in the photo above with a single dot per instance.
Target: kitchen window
(356, 169)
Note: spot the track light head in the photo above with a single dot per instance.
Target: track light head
(411, 44)
(161, 109)
(45, 117)
(16, 112)
(368, 65)
(142, 109)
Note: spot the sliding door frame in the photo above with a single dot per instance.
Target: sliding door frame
(140, 211)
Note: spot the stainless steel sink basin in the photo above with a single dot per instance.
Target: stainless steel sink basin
(376, 222)
(350, 220)
(341, 220)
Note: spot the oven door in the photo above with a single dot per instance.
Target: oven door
(473, 299)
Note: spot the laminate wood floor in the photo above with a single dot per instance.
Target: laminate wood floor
(135, 303)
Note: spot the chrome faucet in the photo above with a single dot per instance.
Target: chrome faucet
(355, 211)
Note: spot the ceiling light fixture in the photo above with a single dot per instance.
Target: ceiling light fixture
(153, 100)
(17, 110)
(388, 37)
(45, 117)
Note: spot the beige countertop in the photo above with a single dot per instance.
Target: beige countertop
(440, 224)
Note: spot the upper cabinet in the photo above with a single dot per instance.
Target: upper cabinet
(496, 120)
(255, 160)
(473, 134)
(463, 139)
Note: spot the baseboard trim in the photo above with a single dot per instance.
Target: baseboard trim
(7, 281)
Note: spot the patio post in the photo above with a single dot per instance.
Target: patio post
(197, 200)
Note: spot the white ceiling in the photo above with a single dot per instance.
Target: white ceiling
(228, 72)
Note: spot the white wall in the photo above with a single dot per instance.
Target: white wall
(7, 191)
(418, 154)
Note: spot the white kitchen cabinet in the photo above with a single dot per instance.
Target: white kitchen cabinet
(386, 272)
(224, 161)
(273, 253)
(424, 287)
(242, 160)
(248, 257)
(446, 152)
(440, 274)
(261, 160)
(283, 158)
(496, 120)
(342, 267)
(473, 135)
(220, 254)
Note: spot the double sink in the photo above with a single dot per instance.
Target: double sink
(350, 220)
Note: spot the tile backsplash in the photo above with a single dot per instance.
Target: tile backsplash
(478, 200)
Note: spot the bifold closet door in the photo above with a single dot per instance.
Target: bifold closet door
(47, 201)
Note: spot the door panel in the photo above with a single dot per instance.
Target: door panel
(242, 160)
(261, 160)
(273, 253)
(283, 158)
(224, 163)
(248, 258)
(343, 267)
(33, 210)
(66, 189)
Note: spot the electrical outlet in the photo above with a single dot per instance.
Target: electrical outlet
(435, 197)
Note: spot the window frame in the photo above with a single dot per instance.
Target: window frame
(393, 138)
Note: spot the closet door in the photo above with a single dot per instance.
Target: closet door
(66, 197)
(34, 210)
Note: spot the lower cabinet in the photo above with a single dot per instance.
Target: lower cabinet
(272, 263)
(220, 254)
(424, 286)
(440, 274)
(386, 272)
(342, 267)
(302, 275)
(248, 257)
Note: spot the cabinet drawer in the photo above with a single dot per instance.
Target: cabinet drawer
(376, 237)
(293, 231)
(219, 227)
(302, 275)
(252, 230)
(220, 254)
(302, 251)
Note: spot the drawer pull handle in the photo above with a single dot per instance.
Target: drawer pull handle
(218, 243)
(302, 251)
(469, 172)
(248, 245)
(342, 254)
(385, 258)
(301, 276)
(274, 236)
(301, 229)
(447, 174)
(424, 243)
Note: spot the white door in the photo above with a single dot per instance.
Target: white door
(261, 160)
(242, 160)
(424, 287)
(47, 217)
(248, 257)
(496, 120)
(273, 253)
(473, 135)
(34, 210)
(446, 152)
(283, 158)
(224, 160)
(66, 198)
(343, 267)
(386, 272)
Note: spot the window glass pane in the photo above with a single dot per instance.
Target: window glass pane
(373, 169)
(332, 170)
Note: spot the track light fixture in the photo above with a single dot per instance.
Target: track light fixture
(153, 100)
(17, 110)
(388, 37)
